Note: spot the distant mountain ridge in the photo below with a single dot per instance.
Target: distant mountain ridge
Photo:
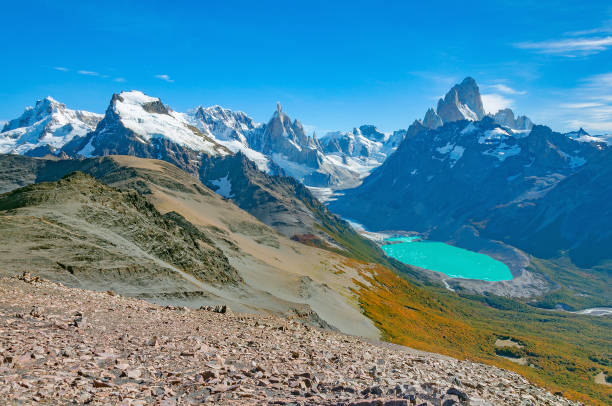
(498, 176)
(280, 146)
(45, 128)
(139, 125)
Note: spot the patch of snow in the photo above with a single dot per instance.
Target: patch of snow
(606, 139)
(511, 178)
(293, 169)
(87, 149)
(445, 149)
(467, 112)
(455, 152)
(503, 151)
(361, 165)
(324, 194)
(378, 237)
(260, 160)
(224, 187)
(495, 135)
(520, 133)
(575, 161)
(470, 128)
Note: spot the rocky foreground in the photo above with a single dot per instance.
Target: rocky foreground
(61, 345)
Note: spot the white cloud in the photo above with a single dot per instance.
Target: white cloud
(120, 80)
(569, 47)
(493, 102)
(164, 77)
(506, 89)
(588, 105)
(600, 127)
(60, 68)
(88, 73)
(579, 105)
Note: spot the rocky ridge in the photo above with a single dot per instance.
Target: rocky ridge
(62, 345)
(464, 102)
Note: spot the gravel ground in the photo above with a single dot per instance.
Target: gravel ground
(61, 345)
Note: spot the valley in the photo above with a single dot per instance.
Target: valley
(209, 208)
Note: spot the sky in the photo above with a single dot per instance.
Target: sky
(334, 65)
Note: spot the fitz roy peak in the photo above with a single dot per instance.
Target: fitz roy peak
(464, 102)
(496, 177)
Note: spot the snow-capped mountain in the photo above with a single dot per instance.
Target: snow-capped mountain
(464, 102)
(282, 146)
(362, 149)
(231, 129)
(584, 136)
(478, 174)
(45, 128)
(137, 123)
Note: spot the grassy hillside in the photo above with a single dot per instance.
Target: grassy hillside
(78, 225)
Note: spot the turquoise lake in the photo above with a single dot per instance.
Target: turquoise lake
(452, 261)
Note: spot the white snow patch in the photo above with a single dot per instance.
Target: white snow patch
(606, 139)
(260, 160)
(495, 135)
(467, 112)
(470, 128)
(293, 169)
(324, 194)
(378, 237)
(455, 152)
(575, 161)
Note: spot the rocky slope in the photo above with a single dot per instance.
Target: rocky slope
(280, 202)
(122, 248)
(61, 345)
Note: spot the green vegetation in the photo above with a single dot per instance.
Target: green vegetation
(562, 350)
(578, 288)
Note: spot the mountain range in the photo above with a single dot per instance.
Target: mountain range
(457, 169)
(209, 206)
(460, 172)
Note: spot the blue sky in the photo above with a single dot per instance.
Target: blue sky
(333, 65)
